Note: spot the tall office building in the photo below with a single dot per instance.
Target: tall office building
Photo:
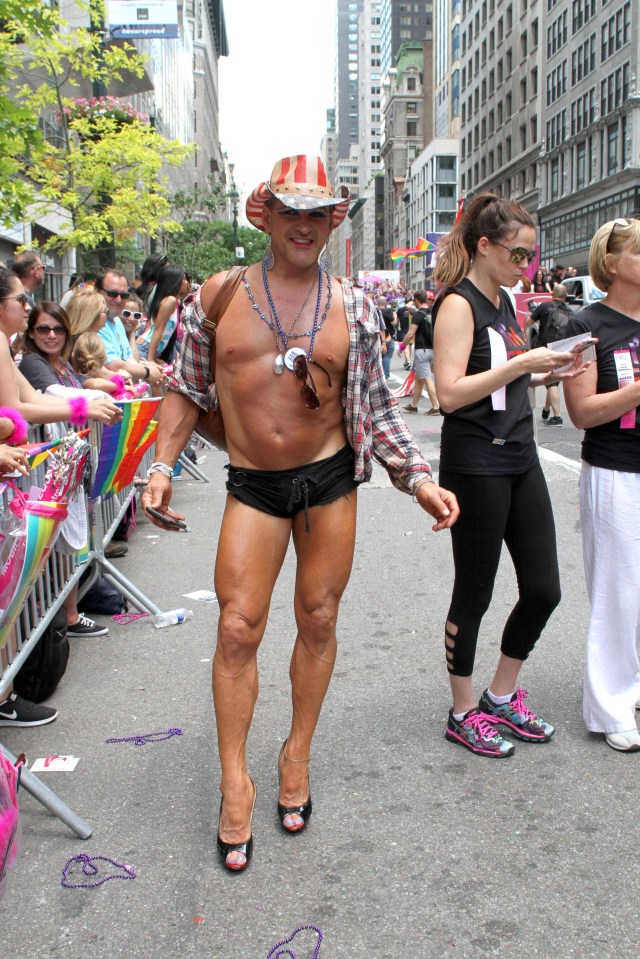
(209, 44)
(501, 102)
(408, 125)
(446, 67)
(589, 161)
(369, 79)
(402, 21)
(346, 75)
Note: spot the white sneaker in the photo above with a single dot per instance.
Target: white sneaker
(627, 742)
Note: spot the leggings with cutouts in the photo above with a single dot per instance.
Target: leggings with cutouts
(515, 509)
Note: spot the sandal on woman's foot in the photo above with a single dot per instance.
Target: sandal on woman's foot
(303, 812)
(245, 849)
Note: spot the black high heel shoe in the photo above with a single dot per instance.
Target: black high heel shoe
(304, 811)
(246, 848)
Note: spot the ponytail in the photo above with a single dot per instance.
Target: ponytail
(486, 215)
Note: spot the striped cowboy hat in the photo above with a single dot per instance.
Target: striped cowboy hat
(301, 183)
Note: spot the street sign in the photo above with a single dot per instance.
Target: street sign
(239, 253)
(143, 19)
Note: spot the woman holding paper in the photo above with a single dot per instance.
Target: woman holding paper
(605, 403)
(488, 457)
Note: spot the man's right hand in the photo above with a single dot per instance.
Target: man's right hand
(157, 495)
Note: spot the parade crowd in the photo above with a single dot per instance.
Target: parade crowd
(313, 353)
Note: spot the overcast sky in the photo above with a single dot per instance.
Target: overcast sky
(276, 84)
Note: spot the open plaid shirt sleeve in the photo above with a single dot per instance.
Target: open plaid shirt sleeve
(375, 427)
(191, 374)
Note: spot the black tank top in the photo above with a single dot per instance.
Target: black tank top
(477, 438)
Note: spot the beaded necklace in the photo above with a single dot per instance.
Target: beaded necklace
(287, 356)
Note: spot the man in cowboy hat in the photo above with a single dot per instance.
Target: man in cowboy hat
(306, 409)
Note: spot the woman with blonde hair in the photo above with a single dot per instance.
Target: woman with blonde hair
(604, 403)
(89, 357)
(87, 312)
(489, 459)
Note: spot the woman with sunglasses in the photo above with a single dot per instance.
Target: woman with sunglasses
(604, 402)
(489, 460)
(46, 343)
(15, 390)
(46, 348)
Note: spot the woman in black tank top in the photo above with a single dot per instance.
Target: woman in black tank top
(489, 459)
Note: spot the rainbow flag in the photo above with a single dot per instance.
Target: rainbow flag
(124, 444)
(26, 552)
(398, 255)
(38, 452)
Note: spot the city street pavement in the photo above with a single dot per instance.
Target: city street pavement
(416, 847)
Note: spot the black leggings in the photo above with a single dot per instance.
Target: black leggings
(516, 509)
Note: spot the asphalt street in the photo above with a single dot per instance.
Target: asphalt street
(416, 847)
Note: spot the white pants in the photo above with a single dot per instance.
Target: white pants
(610, 514)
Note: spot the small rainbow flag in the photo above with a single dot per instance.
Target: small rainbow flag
(38, 452)
(29, 548)
(398, 256)
(124, 444)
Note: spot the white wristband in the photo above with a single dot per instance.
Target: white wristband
(418, 484)
(159, 467)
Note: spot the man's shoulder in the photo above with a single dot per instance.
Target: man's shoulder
(207, 293)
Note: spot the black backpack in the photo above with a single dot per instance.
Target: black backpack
(554, 326)
(46, 665)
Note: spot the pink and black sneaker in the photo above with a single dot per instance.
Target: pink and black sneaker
(478, 733)
(517, 717)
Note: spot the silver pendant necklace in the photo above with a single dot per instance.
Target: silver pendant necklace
(286, 358)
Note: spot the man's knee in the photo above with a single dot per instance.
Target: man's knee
(317, 618)
(239, 633)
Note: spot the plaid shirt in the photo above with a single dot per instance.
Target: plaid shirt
(375, 427)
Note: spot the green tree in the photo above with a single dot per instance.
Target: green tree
(102, 170)
(204, 248)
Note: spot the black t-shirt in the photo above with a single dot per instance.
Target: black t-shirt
(388, 316)
(424, 334)
(609, 445)
(541, 316)
(404, 320)
(476, 438)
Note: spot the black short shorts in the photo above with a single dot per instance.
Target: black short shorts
(284, 493)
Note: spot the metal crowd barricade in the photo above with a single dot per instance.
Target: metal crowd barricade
(60, 574)
(104, 520)
(46, 597)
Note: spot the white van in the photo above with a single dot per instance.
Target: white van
(581, 291)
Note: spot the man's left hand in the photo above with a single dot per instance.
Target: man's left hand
(439, 503)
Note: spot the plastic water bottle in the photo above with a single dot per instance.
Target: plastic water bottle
(172, 617)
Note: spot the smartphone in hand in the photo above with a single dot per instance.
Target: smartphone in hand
(170, 521)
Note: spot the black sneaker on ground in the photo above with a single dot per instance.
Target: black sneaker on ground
(545, 414)
(554, 421)
(115, 550)
(86, 627)
(16, 711)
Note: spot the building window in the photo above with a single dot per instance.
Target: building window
(412, 128)
(411, 84)
(581, 166)
(612, 149)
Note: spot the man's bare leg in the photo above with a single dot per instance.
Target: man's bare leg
(325, 557)
(417, 391)
(431, 392)
(251, 550)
